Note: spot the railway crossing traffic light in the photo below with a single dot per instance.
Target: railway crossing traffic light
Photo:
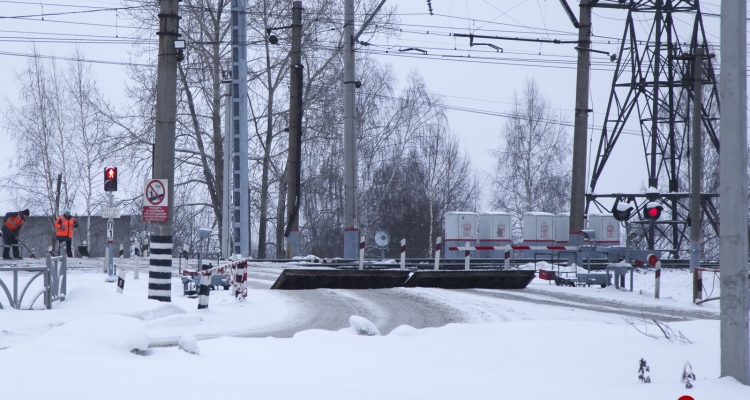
(110, 179)
(652, 211)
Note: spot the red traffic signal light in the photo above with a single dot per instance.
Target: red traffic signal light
(110, 179)
(652, 211)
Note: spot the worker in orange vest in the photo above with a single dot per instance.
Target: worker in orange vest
(65, 224)
(11, 229)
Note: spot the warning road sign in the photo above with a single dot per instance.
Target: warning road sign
(156, 201)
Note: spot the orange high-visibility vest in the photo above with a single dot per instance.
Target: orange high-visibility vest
(65, 226)
(13, 223)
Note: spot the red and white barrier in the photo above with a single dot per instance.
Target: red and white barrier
(230, 271)
(515, 247)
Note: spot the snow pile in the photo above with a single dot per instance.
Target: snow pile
(97, 335)
(98, 299)
(362, 326)
(189, 344)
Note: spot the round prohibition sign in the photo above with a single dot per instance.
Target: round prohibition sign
(155, 192)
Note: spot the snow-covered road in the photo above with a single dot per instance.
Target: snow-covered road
(422, 308)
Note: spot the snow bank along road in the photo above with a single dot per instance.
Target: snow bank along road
(330, 309)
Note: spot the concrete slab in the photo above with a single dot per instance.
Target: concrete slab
(296, 279)
(514, 279)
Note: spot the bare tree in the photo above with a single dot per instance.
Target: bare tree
(532, 171)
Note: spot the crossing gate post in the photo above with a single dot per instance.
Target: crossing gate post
(403, 253)
(362, 252)
(437, 253)
(204, 290)
(467, 257)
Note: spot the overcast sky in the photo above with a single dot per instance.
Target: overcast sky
(477, 83)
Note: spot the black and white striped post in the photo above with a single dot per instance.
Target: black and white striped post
(362, 252)
(204, 288)
(160, 268)
(144, 248)
(403, 253)
(122, 251)
(467, 257)
(437, 253)
(137, 259)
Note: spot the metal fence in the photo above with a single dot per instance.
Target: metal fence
(54, 287)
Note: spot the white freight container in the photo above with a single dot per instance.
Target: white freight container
(494, 230)
(538, 228)
(606, 228)
(460, 227)
(562, 228)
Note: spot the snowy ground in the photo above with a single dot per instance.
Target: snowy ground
(544, 342)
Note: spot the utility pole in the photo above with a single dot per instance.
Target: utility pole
(581, 123)
(240, 193)
(293, 163)
(696, 173)
(735, 355)
(351, 226)
(226, 201)
(160, 261)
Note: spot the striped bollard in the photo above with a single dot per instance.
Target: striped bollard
(239, 277)
(244, 279)
(122, 251)
(204, 289)
(658, 279)
(144, 248)
(160, 268)
(137, 260)
(506, 263)
(362, 253)
(467, 257)
(437, 253)
(403, 253)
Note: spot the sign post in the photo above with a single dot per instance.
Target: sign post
(110, 242)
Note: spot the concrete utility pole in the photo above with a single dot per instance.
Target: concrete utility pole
(351, 226)
(226, 201)
(735, 357)
(581, 123)
(295, 135)
(696, 173)
(160, 261)
(239, 129)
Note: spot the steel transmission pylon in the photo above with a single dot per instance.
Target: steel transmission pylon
(652, 86)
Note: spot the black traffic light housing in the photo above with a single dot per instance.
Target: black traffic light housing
(652, 211)
(110, 179)
(622, 211)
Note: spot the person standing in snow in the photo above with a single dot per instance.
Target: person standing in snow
(12, 223)
(65, 224)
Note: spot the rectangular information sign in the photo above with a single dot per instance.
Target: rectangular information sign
(110, 212)
(156, 201)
